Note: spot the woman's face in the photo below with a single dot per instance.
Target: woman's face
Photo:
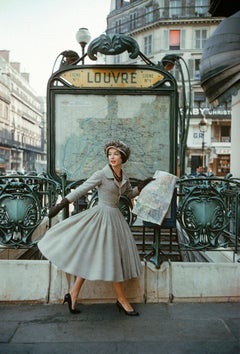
(114, 157)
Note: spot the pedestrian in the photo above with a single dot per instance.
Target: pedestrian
(199, 171)
(97, 244)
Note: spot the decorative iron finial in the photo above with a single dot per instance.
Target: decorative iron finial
(113, 45)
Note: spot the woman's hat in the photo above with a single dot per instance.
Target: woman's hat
(120, 146)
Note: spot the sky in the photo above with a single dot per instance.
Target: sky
(36, 31)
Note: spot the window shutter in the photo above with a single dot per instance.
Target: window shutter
(182, 39)
(191, 68)
(165, 44)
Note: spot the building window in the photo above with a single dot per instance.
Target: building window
(225, 133)
(175, 8)
(118, 26)
(133, 21)
(188, 10)
(149, 14)
(201, 7)
(200, 38)
(148, 45)
(197, 69)
(161, 11)
(174, 39)
(119, 4)
(199, 98)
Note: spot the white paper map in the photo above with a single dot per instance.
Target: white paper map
(154, 200)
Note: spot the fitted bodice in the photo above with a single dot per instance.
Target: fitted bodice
(109, 190)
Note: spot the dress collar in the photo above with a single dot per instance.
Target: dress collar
(108, 173)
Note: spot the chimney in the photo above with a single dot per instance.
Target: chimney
(16, 66)
(26, 76)
(5, 55)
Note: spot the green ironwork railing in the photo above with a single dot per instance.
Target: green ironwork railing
(24, 201)
(208, 212)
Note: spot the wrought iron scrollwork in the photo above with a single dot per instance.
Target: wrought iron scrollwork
(24, 201)
(205, 210)
(113, 45)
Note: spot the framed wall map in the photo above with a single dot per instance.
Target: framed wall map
(82, 120)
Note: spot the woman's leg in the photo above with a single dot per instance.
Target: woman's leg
(76, 289)
(121, 296)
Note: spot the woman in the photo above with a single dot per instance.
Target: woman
(97, 243)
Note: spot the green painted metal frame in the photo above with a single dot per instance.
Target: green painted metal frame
(162, 89)
(110, 45)
(208, 212)
(24, 201)
(206, 215)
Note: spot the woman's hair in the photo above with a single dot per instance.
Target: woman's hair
(120, 146)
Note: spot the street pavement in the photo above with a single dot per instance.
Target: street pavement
(174, 328)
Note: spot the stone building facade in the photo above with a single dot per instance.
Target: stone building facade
(22, 121)
(180, 28)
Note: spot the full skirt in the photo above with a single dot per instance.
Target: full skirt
(96, 244)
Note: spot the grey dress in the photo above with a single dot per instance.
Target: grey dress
(96, 244)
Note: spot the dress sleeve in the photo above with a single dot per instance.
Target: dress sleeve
(92, 182)
(131, 192)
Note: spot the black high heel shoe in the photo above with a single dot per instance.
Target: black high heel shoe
(68, 299)
(128, 313)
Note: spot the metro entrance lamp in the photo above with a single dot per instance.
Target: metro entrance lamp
(83, 37)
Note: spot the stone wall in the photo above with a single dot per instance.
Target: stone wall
(40, 281)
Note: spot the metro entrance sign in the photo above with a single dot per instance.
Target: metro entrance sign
(114, 77)
(89, 104)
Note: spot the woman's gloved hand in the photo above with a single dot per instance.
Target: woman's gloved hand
(53, 211)
(143, 183)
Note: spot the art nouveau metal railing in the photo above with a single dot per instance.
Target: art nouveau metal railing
(24, 201)
(208, 212)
